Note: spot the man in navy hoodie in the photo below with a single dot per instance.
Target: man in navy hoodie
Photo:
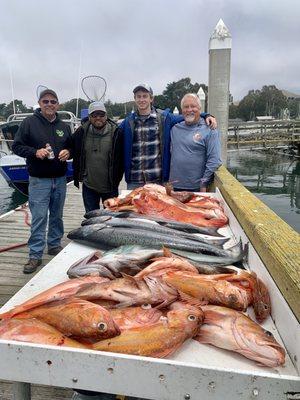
(45, 141)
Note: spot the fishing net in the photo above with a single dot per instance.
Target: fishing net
(39, 90)
(94, 87)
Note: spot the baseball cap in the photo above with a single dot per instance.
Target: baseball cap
(47, 91)
(143, 86)
(96, 106)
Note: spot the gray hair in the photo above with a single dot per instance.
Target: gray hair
(194, 96)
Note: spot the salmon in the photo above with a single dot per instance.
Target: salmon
(35, 331)
(232, 330)
(159, 339)
(75, 317)
(210, 289)
(61, 291)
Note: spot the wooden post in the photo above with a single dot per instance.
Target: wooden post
(218, 82)
(21, 391)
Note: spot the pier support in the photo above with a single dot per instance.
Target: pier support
(21, 391)
(218, 83)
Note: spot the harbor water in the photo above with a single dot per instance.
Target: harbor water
(274, 179)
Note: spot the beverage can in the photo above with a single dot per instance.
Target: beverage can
(51, 155)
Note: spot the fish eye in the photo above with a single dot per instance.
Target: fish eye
(192, 317)
(146, 306)
(102, 326)
(268, 333)
(266, 307)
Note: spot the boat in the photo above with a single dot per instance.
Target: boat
(12, 167)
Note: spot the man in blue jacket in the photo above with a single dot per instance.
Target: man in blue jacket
(147, 140)
(45, 141)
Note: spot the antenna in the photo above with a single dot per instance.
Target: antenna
(12, 89)
(78, 81)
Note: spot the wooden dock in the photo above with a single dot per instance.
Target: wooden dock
(13, 230)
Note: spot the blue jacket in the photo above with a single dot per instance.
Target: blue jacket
(166, 120)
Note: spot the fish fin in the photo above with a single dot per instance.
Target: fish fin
(167, 252)
(129, 278)
(186, 298)
(124, 304)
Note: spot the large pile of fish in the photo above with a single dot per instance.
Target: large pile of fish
(166, 283)
(161, 221)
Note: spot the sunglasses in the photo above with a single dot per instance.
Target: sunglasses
(98, 114)
(49, 101)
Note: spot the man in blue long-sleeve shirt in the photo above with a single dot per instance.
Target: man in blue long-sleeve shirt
(195, 149)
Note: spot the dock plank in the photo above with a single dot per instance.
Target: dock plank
(14, 230)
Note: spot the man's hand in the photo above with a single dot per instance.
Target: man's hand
(64, 155)
(211, 122)
(42, 153)
(203, 189)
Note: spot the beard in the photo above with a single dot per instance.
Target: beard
(190, 118)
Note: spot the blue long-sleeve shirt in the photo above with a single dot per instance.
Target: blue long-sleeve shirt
(195, 155)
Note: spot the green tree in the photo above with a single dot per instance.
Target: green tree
(72, 104)
(2, 108)
(233, 111)
(293, 105)
(271, 101)
(247, 106)
(176, 90)
(19, 107)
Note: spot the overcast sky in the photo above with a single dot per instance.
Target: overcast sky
(134, 41)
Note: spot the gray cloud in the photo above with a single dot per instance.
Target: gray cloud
(131, 41)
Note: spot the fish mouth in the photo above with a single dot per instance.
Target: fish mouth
(262, 359)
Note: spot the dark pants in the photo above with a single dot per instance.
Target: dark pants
(186, 190)
(91, 198)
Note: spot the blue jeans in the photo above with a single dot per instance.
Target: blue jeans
(46, 196)
(91, 198)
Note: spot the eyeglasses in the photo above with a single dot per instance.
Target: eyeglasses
(98, 114)
(49, 101)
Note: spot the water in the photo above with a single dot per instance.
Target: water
(274, 179)
(9, 198)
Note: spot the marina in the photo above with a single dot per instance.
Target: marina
(182, 373)
(175, 364)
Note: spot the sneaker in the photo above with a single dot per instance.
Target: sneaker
(53, 251)
(32, 265)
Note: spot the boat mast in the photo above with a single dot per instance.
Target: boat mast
(78, 81)
(12, 89)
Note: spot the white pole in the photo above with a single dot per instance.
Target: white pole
(201, 96)
(78, 81)
(218, 82)
(12, 89)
